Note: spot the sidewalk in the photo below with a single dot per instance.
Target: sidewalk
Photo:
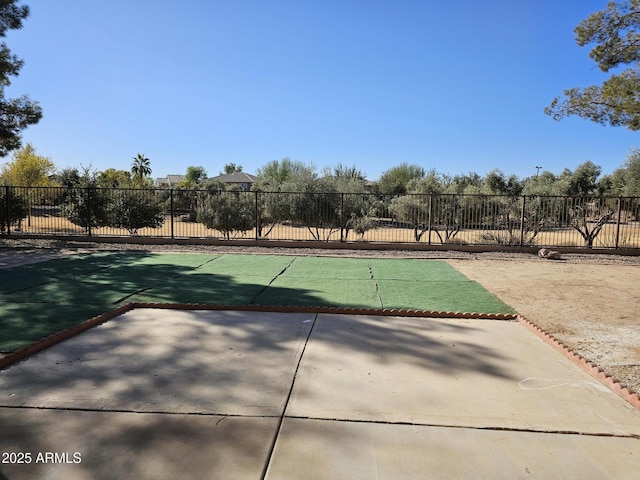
(187, 394)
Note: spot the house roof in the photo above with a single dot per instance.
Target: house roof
(236, 177)
(169, 180)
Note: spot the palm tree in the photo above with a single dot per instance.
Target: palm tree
(141, 167)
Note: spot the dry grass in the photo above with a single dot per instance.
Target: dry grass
(628, 236)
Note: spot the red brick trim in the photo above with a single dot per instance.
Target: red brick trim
(58, 337)
(591, 368)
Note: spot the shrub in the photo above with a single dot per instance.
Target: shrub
(18, 209)
(135, 209)
(227, 211)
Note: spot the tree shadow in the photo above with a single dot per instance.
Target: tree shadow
(146, 376)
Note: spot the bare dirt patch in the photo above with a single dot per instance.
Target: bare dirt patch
(590, 306)
(589, 302)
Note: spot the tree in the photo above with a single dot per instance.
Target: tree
(28, 169)
(18, 209)
(140, 168)
(16, 114)
(82, 202)
(227, 210)
(274, 174)
(231, 168)
(583, 181)
(626, 180)
(497, 183)
(195, 176)
(134, 209)
(394, 181)
(614, 34)
(277, 178)
(345, 189)
(114, 178)
(412, 209)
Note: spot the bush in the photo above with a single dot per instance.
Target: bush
(18, 209)
(135, 209)
(227, 211)
(85, 207)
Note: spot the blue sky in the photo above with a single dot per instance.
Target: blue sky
(456, 86)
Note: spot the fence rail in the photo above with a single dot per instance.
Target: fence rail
(554, 221)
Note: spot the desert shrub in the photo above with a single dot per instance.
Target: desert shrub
(135, 209)
(18, 209)
(508, 237)
(228, 211)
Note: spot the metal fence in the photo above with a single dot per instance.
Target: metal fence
(556, 221)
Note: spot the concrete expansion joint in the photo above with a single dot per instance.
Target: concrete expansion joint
(591, 368)
(466, 427)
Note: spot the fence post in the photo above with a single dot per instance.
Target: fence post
(618, 221)
(342, 217)
(7, 209)
(89, 211)
(430, 215)
(257, 214)
(171, 215)
(524, 202)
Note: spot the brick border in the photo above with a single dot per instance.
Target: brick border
(58, 337)
(591, 368)
(62, 335)
(384, 312)
(613, 384)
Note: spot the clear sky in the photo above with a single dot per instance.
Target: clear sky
(456, 86)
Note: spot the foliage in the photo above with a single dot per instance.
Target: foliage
(227, 210)
(588, 217)
(315, 204)
(413, 210)
(140, 168)
(614, 34)
(276, 173)
(134, 209)
(82, 202)
(28, 169)
(231, 168)
(497, 183)
(16, 114)
(113, 178)
(394, 181)
(626, 180)
(195, 176)
(18, 208)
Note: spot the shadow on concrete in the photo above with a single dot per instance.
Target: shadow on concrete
(209, 365)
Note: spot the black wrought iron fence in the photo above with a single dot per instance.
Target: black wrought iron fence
(603, 222)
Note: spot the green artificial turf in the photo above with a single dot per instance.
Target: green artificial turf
(320, 292)
(39, 299)
(328, 268)
(447, 296)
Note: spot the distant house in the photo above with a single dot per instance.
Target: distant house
(170, 181)
(245, 180)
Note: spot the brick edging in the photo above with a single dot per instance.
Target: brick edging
(591, 368)
(626, 393)
(60, 336)
(385, 312)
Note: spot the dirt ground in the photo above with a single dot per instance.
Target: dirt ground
(589, 302)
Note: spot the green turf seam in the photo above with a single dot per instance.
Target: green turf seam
(271, 281)
(375, 282)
